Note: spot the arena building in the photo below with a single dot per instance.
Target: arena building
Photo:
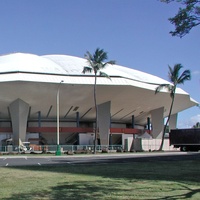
(43, 95)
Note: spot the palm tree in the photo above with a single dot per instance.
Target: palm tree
(96, 62)
(197, 125)
(175, 79)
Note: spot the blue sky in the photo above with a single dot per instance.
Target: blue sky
(135, 33)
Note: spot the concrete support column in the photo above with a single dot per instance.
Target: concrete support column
(148, 123)
(39, 122)
(110, 136)
(77, 119)
(133, 126)
(104, 122)
(19, 115)
(77, 125)
(39, 118)
(157, 121)
(133, 121)
(173, 121)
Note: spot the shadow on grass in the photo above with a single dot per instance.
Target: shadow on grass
(86, 190)
(77, 190)
(134, 174)
(188, 195)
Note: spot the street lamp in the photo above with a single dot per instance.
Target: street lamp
(58, 151)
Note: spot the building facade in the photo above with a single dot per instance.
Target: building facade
(34, 88)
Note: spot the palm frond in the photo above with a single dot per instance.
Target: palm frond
(111, 62)
(99, 66)
(186, 75)
(97, 60)
(174, 73)
(100, 55)
(87, 69)
(104, 74)
(88, 56)
(162, 86)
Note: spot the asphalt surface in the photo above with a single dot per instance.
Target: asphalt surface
(40, 160)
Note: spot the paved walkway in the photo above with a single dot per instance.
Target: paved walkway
(25, 160)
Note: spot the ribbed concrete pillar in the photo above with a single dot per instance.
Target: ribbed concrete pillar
(104, 122)
(19, 115)
(157, 121)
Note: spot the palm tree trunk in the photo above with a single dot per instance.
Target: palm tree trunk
(165, 127)
(96, 118)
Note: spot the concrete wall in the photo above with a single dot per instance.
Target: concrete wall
(154, 144)
(86, 138)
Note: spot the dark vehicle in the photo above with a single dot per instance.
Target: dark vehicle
(186, 139)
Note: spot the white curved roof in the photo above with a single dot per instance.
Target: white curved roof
(72, 66)
(23, 62)
(66, 65)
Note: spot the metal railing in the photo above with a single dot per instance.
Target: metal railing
(64, 148)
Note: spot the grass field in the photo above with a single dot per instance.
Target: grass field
(139, 180)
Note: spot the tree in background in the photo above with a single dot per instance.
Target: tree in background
(176, 79)
(187, 17)
(197, 125)
(96, 62)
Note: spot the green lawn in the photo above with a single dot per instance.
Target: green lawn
(139, 180)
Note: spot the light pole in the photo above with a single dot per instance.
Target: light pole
(58, 151)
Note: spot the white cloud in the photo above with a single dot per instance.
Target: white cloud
(195, 119)
(190, 122)
(197, 72)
